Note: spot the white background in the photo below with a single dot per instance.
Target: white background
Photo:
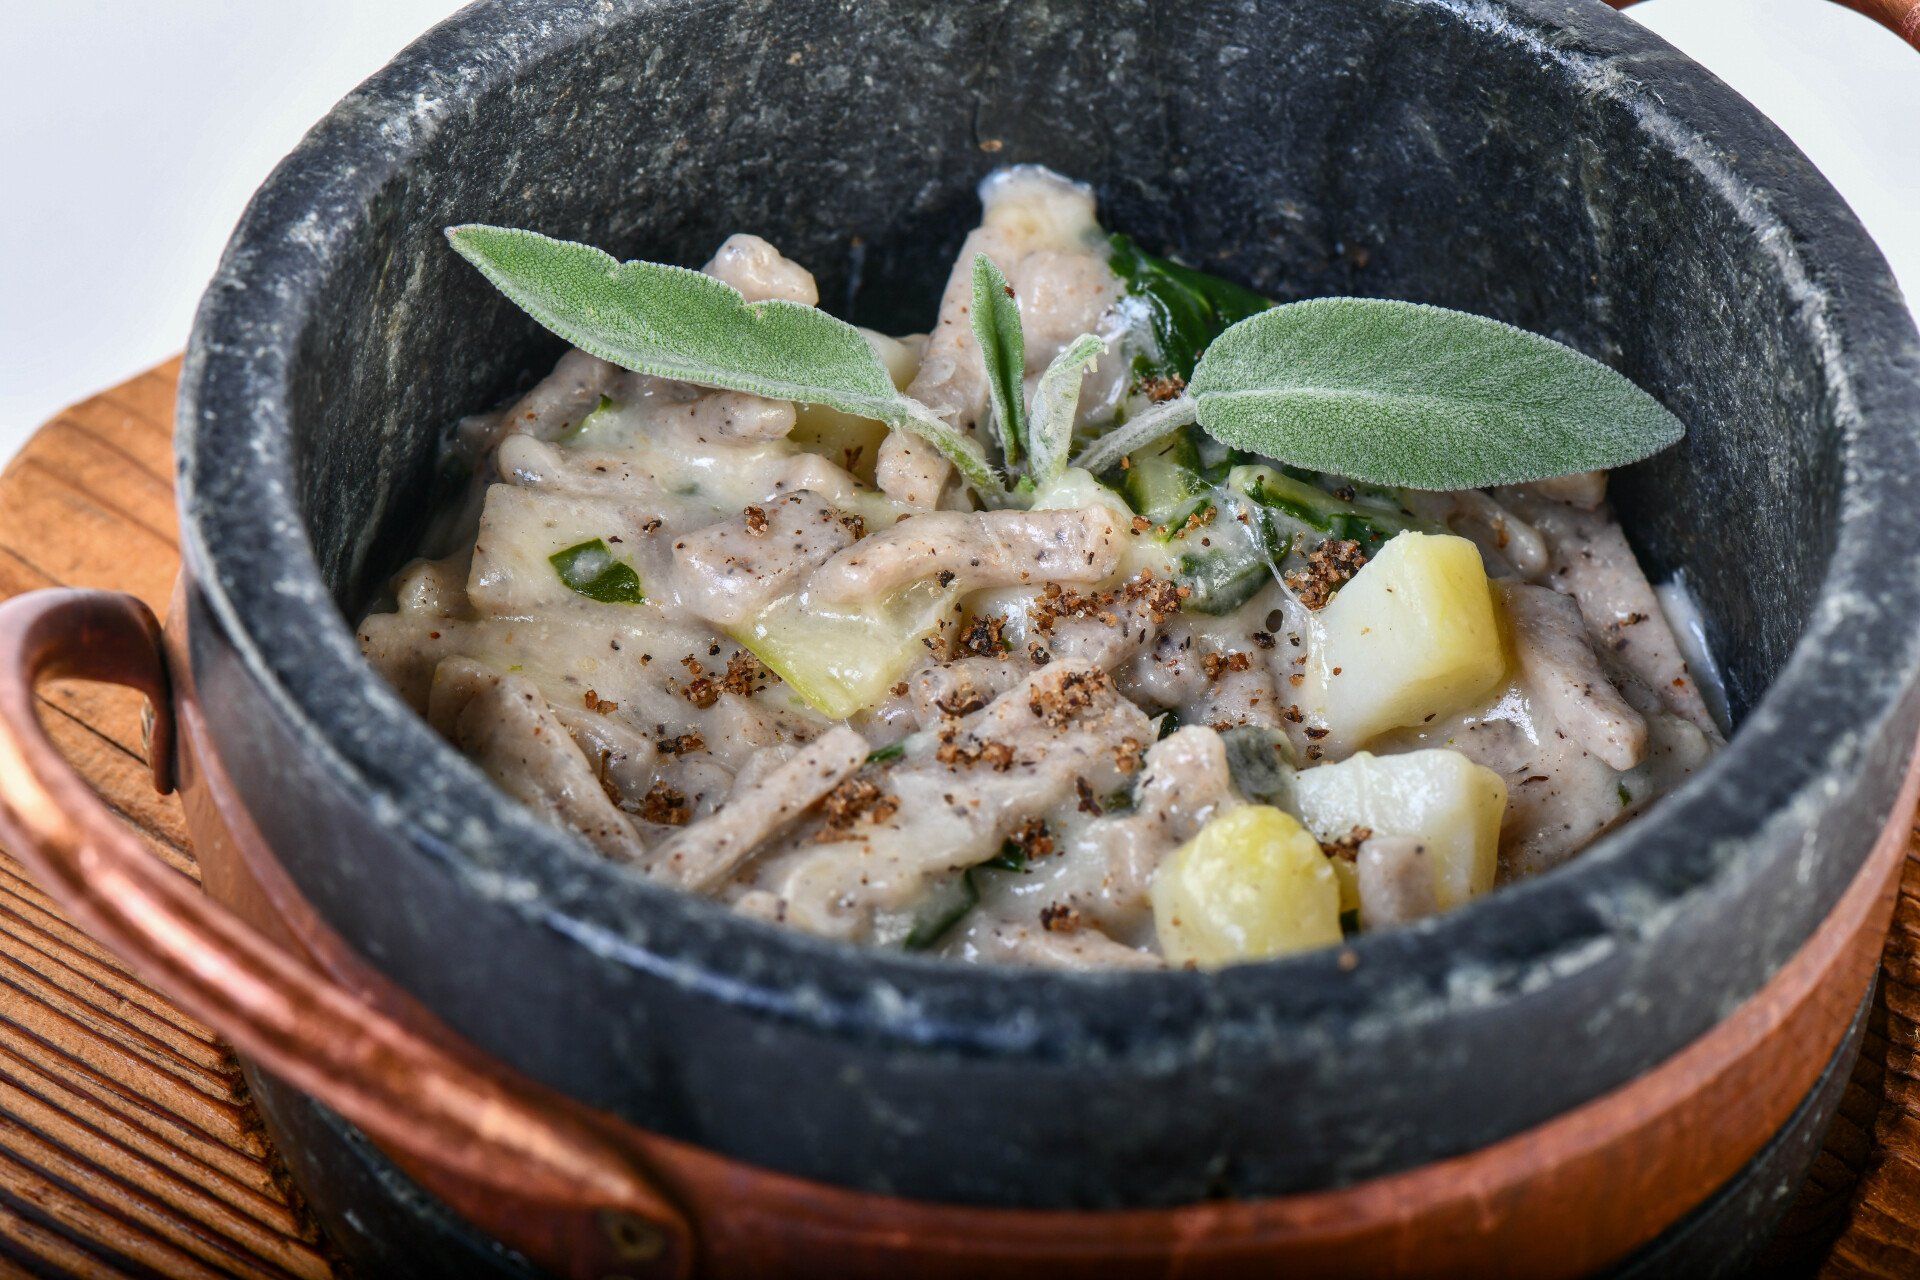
(133, 131)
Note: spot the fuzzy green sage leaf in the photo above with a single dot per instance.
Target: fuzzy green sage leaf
(591, 569)
(1398, 393)
(1187, 309)
(1138, 432)
(1056, 400)
(672, 322)
(1003, 348)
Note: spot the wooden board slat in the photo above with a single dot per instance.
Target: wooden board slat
(127, 1145)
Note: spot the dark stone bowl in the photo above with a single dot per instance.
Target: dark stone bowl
(1543, 161)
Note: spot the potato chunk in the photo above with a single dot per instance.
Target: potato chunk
(1440, 798)
(842, 659)
(1414, 635)
(1251, 884)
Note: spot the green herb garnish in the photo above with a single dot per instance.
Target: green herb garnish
(590, 568)
(1010, 858)
(1405, 395)
(940, 910)
(1056, 402)
(1044, 435)
(1393, 393)
(1419, 397)
(887, 754)
(1188, 309)
(1260, 762)
(675, 323)
(1003, 347)
(588, 421)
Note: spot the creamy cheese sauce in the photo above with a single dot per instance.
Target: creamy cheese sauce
(774, 655)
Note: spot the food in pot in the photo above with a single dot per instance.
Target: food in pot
(1181, 705)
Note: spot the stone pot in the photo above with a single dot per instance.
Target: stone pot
(1608, 1065)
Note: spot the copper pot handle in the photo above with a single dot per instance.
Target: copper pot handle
(581, 1204)
(1902, 17)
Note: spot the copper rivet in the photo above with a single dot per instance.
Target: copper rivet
(634, 1239)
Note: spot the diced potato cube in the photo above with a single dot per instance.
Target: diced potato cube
(843, 660)
(1251, 884)
(1414, 635)
(1440, 798)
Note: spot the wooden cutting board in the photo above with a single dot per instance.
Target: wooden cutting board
(127, 1144)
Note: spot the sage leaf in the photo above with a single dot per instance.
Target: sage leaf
(1003, 348)
(675, 323)
(591, 569)
(1260, 762)
(672, 322)
(1187, 309)
(1403, 394)
(1137, 432)
(1056, 399)
(959, 448)
(940, 910)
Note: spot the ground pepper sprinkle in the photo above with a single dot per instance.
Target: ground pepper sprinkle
(666, 805)
(960, 702)
(1347, 847)
(1197, 520)
(1161, 387)
(1088, 803)
(1059, 918)
(702, 690)
(1216, 665)
(1158, 598)
(984, 637)
(1074, 693)
(856, 798)
(746, 675)
(1032, 839)
(956, 754)
(1329, 567)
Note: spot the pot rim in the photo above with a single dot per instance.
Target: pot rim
(1840, 704)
